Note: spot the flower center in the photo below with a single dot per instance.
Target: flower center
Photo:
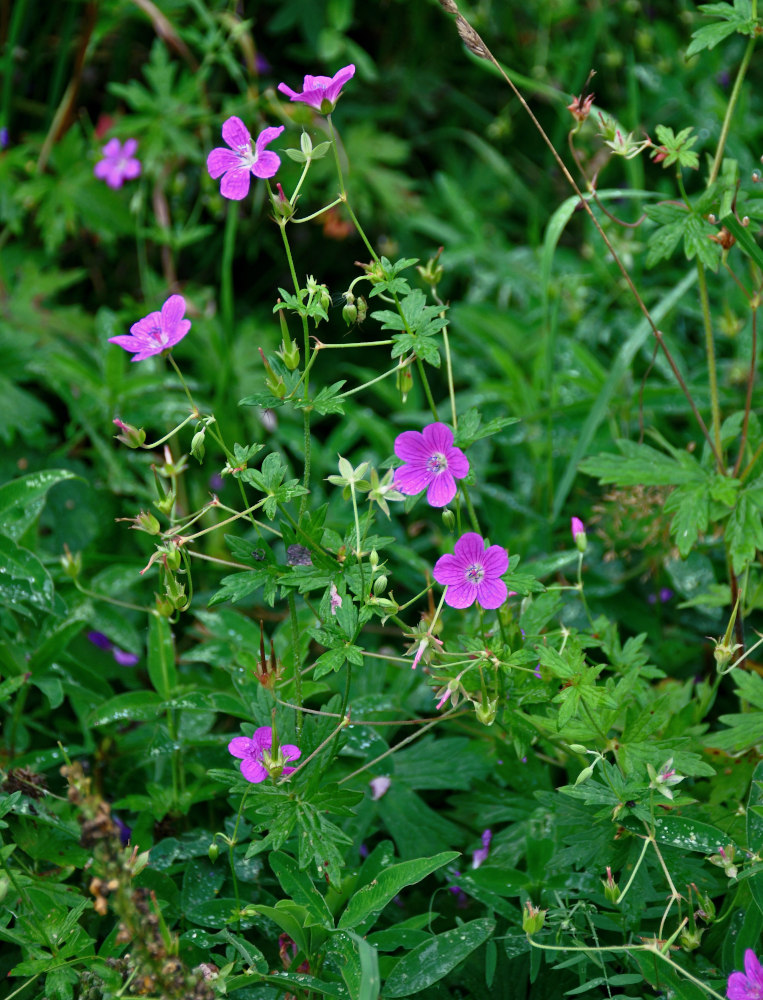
(437, 463)
(247, 154)
(475, 573)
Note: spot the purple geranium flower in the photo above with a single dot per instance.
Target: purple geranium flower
(431, 462)
(747, 985)
(123, 658)
(237, 164)
(481, 853)
(156, 332)
(256, 755)
(473, 573)
(119, 163)
(320, 92)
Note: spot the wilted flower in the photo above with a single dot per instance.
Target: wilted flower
(473, 573)
(665, 777)
(118, 164)
(432, 463)
(237, 164)
(157, 332)
(320, 92)
(257, 759)
(747, 985)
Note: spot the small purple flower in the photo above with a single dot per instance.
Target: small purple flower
(432, 463)
(257, 760)
(379, 786)
(480, 855)
(747, 985)
(237, 164)
(119, 163)
(320, 92)
(123, 658)
(4, 137)
(473, 573)
(156, 332)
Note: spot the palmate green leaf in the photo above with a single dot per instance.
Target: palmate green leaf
(744, 532)
(690, 506)
(432, 960)
(320, 841)
(368, 902)
(642, 464)
(325, 401)
(735, 19)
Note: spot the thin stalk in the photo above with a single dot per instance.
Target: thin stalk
(734, 97)
(427, 390)
(748, 397)
(295, 651)
(476, 45)
(712, 369)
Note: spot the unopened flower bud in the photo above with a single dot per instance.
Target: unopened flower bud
(486, 711)
(197, 445)
(133, 437)
(164, 606)
(71, 563)
(432, 271)
(579, 536)
(373, 559)
(404, 382)
(350, 313)
(213, 852)
(172, 557)
(380, 585)
(611, 888)
(448, 518)
(532, 918)
(325, 297)
(282, 207)
(362, 307)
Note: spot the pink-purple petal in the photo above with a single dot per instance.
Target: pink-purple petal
(178, 333)
(235, 183)
(291, 94)
(127, 342)
(253, 770)
(112, 149)
(220, 160)
(147, 326)
(461, 596)
(753, 968)
(458, 463)
(410, 447)
(131, 170)
(173, 311)
(438, 437)
(240, 746)
(496, 561)
(235, 133)
(441, 490)
(267, 164)
(411, 479)
(267, 135)
(449, 571)
(491, 594)
(263, 737)
(470, 548)
(290, 751)
(129, 148)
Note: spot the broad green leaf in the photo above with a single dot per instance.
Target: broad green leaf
(22, 499)
(639, 464)
(690, 834)
(132, 706)
(372, 898)
(24, 581)
(161, 656)
(359, 964)
(432, 960)
(290, 917)
(299, 886)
